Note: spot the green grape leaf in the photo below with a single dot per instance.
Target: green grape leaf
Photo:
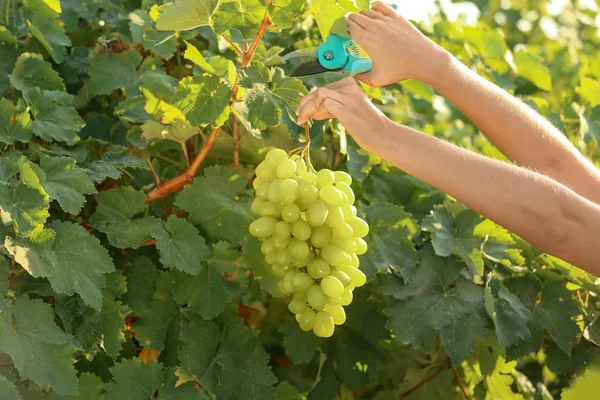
(54, 116)
(330, 17)
(111, 71)
(110, 164)
(159, 83)
(555, 312)
(269, 93)
(93, 329)
(489, 43)
(8, 390)
(360, 163)
(467, 235)
(152, 326)
(163, 44)
(26, 204)
(180, 245)
(15, 124)
(40, 350)
(174, 390)
(283, 12)
(533, 68)
(31, 71)
(8, 55)
(66, 183)
(510, 316)
(179, 131)
(389, 240)
(142, 275)
(114, 216)
(585, 385)
(222, 212)
(439, 299)
(50, 32)
(261, 271)
(242, 372)
(589, 89)
(182, 15)
(243, 15)
(209, 292)
(6, 36)
(68, 269)
(4, 275)
(215, 65)
(135, 380)
(300, 346)
(91, 387)
(203, 100)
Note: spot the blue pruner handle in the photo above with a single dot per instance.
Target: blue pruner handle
(358, 66)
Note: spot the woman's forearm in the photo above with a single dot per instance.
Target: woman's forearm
(519, 132)
(533, 206)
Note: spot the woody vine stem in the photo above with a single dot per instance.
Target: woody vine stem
(185, 178)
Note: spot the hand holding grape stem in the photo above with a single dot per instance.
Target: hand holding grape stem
(549, 196)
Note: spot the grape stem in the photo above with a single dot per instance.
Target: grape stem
(236, 142)
(306, 151)
(187, 177)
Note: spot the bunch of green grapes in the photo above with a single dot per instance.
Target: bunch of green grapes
(311, 237)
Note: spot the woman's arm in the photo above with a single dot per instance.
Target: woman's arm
(542, 211)
(399, 51)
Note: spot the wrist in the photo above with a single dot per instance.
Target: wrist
(442, 65)
(381, 135)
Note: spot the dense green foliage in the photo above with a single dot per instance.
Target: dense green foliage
(114, 287)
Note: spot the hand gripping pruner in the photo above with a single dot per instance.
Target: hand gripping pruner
(337, 54)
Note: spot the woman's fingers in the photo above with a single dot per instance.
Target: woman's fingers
(362, 20)
(373, 15)
(332, 86)
(383, 8)
(322, 101)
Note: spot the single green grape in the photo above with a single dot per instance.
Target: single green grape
(333, 255)
(349, 211)
(324, 325)
(280, 270)
(290, 213)
(286, 169)
(354, 261)
(325, 177)
(297, 307)
(309, 177)
(331, 196)
(315, 297)
(347, 297)
(264, 170)
(342, 277)
(358, 277)
(256, 203)
(332, 286)
(307, 320)
(287, 281)
(283, 229)
(279, 243)
(335, 217)
(299, 249)
(300, 296)
(301, 166)
(333, 301)
(276, 156)
(301, 230)
(347, 190)
(360, 227)
(361, 246)
(288, 191)
(270, 258)
(316, 214)
(337, 313)
(267, 248)
(263, 227)
(273, 193)
(344, 231)
(342, 177)
(302, 282)
(348, 245)
(263, 191)
(269, 209)
(321, 236)
(283, 257)
(318, 268)
(308, 192)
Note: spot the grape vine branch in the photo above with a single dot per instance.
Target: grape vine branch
(185, 178)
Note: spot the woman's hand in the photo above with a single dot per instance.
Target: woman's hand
(345, 101)
(398, 49)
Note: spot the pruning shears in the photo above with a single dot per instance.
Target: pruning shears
(338, 54)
